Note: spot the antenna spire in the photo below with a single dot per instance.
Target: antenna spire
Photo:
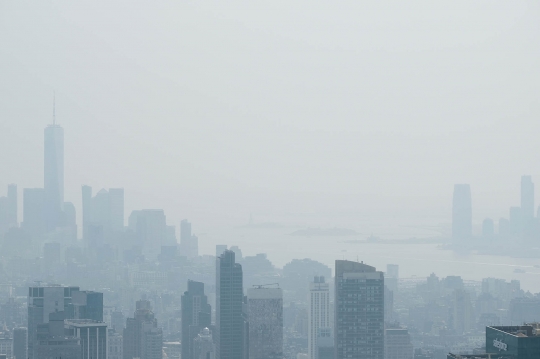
(54, 109)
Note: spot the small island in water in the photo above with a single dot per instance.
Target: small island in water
(325, 232)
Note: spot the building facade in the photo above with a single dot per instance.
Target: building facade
(265, 315)
(196, 315)
(359, 311)
(318, 312)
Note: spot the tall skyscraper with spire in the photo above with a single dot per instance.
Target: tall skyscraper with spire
(53, 173)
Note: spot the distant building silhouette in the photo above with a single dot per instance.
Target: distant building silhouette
(462, 212)
(196, 315)
(488, 228)
(34, 211)
(265, 315)
(150, 228)
(318, 312)
(230, 322)
(105, 210)
(359, 311)
(189, 244)
(53, 175)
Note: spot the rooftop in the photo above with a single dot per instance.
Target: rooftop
(523, 331)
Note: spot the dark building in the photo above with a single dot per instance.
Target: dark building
(86, 305)
(509, 342)
(142, 337)
(196, 315)
(230, 319)
(20, 338)
(462, 212)
(359, 311)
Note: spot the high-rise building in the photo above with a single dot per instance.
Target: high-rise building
(189, 243)
(92, 336)
(527, 197)
(114, 344)
(462, 212)
(86, 305)
(142, 338)
(42, 301)
(318, 312)
(463, 313)
(359, 311)
(265, 314)
(53, 342)
(203, 345)
(196, 315)
(53, 175)
(325, 344)
(398, 344)
(105, 210)
(20, 344)
(34, 211)
(230, 321)
(150, 228)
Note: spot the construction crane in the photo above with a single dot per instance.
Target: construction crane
(260, 286)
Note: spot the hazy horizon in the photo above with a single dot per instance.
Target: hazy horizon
(217, 111)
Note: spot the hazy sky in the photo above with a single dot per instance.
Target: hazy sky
(214, 110)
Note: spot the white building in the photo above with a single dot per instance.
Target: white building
(318, 312)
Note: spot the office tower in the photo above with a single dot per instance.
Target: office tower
(516, 220)
(92, 337)
(20, 343)
(43, 301)
(318, 312)
(203, 345)
(142, 337)
(325, 344)
(229, 336)
(150, 228)
(114, 344)
(53, 175)
(488, 228)
(52, 340)
(117, 321)
(85, 305)
(265, 314)
(220, 248)
(116, 208)
(189, 243)
(196, 315)
(462, 212)
(398, 344)
(359, 311)
(105, 210)
(463, 314)
(527, 197)
(34, 211)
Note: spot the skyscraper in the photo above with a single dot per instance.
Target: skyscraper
(527, 198)
(53, 175)
(8, 210)
(105, 210)
(142, 338)
(462, 212)
(92, 336)
(229, 336)
(150, 228)
(359, 311)
(189, 243)
(20, 337)
(318, 312)
(42, 301)
(265, 314)
(203, 345)
(196, 315)
(34, 211)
